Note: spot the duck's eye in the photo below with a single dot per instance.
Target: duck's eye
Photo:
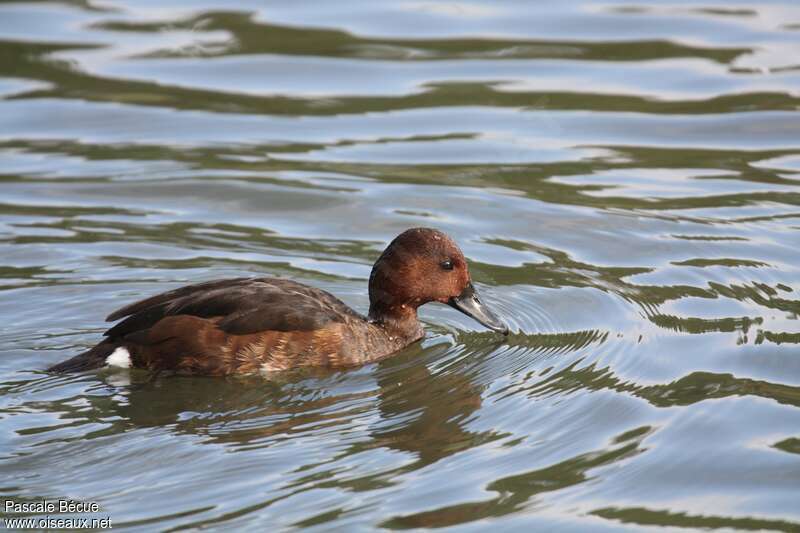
(446, 265)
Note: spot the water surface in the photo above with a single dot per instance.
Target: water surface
(624, 177)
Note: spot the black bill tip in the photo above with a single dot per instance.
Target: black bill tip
(468, 303)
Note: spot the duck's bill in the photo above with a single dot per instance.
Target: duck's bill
(468, 303)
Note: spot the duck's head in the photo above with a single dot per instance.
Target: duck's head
(424, 265)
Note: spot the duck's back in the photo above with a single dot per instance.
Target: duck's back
(243, 305)
(241, 325)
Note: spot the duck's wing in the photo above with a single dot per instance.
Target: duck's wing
(240, 306)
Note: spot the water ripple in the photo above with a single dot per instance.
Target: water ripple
(622, 178)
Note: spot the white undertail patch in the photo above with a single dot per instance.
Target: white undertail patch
(120, 358)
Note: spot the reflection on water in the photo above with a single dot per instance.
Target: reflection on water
(623, 176)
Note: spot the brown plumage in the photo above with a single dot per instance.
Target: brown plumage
(251, 325)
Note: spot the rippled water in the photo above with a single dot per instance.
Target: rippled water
(624, 177)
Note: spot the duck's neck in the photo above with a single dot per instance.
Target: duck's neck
(398, 320)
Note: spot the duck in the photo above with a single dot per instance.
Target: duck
(265, 324)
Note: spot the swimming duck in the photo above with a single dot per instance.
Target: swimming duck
(252, 325)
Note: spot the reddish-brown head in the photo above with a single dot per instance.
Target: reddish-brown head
(424, 265)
